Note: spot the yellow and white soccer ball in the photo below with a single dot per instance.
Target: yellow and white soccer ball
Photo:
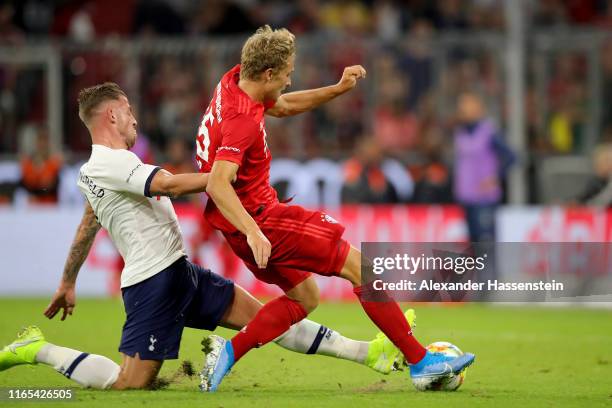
(450, 383)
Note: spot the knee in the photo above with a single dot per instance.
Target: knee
(306, 294)
(134, 381)
(353, 275)
(351, 270)
(310, 301)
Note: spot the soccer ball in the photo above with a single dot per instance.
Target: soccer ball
(451, 383)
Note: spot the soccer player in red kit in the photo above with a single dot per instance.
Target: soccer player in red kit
(282, 244)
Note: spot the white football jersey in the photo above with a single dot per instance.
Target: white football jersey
(145, 229)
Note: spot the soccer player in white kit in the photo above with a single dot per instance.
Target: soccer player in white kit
(162, 291)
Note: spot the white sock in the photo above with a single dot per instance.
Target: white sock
(308, 337)
(89, 370)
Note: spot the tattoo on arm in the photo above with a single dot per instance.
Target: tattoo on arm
(81, 245)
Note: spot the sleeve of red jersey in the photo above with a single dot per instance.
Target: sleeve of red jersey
(238, 134)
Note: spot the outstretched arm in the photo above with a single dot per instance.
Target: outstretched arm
(165, 183)
(293, 103)
(64, 298)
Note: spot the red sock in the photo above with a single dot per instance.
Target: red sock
(387, 315)
(271, 321)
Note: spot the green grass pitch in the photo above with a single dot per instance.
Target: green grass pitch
(525, 357)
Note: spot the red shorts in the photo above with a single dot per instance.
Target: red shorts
(302, 241)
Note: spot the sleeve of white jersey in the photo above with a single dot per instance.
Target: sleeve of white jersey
(124, 171)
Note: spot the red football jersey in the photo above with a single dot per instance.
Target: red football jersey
(233, 129)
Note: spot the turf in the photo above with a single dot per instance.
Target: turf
(538, 357)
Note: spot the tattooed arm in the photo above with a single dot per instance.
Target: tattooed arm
(80, 245)
(64, 297)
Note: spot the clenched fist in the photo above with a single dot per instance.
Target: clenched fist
(350, 76)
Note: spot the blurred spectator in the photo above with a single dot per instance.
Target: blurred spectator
(172, 100)
(390, 19)
(303, 17)
(40, 171)
(83, 21)
(395, 126)
(549, 13)
(537, 141)
(281, 134)
(338, 124)
(348, 16)
(10, 34)
(433, 181)
(581, 11)
(598, 191)
(567, 96)
(218, 17)
(35, 16)
(143, 149)
(486, 14)
(155, 17)
(604, 19)
(417, 60)
(606, 106)
(364, 179)
(179, 158)
(450, 15)
(481, 161)
(561, 128)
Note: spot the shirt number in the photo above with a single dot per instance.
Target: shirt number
(203, 139)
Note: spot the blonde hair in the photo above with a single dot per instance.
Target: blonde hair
(90, 98)
(266, 49)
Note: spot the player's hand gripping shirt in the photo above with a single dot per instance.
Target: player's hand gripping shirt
(144, 229)
(233, 129)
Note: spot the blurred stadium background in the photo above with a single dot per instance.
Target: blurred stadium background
(382, 159)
